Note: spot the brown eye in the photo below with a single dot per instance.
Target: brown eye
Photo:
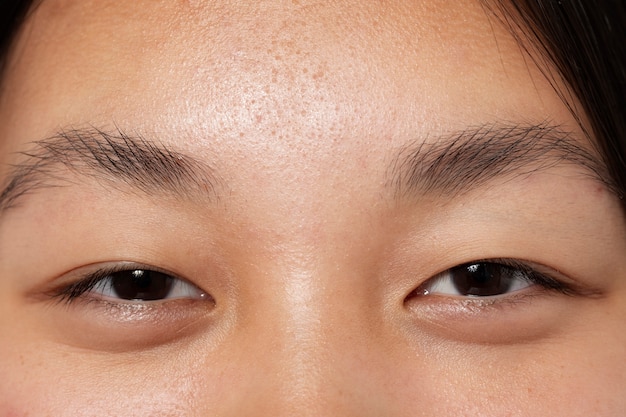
(141, 285)
(484, 279)
(478, 279)
(124, 284)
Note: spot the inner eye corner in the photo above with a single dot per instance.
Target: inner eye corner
(416, 292)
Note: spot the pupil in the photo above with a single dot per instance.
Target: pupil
(141, 285)
(482, 279)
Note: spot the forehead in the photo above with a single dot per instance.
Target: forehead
(303, 69)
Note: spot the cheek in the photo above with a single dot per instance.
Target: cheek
(23, 372)
(566, 375)
(67, 383)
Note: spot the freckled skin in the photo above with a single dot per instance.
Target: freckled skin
(300, 108)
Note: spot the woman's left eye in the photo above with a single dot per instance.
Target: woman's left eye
(137, 285)
(485, 279)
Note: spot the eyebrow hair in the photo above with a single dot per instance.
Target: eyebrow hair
(447, 166)
(452, 165)
(115, 157)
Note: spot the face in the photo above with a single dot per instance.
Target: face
(293, 208)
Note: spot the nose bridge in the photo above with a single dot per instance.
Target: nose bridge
(308, 350)
(309, 313)
(308, 343)
(304, 344)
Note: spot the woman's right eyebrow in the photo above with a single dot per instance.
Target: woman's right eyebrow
(131, 162)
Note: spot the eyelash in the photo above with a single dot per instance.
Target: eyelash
(534, 275)
(78, 289)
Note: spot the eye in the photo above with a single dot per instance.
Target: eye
(124, 306)
(486, 279)
(137, 285)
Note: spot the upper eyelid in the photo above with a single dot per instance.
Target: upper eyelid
(526, 265)
(513, 263)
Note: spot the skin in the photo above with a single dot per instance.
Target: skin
(308, 255)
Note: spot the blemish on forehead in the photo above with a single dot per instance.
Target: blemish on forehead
(318, 74)
(599, 191)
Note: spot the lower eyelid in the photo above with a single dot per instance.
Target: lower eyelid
(521, 316)
(442, 307)
(116, 327)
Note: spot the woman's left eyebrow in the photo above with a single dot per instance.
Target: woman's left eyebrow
(122, 159)
(450, 165)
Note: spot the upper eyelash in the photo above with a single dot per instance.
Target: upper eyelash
(544, 279)
(536, 274)
(77, 289)
(73, 291)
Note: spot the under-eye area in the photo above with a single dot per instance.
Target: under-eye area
(122, 306)
(292, 207)
(497, 301)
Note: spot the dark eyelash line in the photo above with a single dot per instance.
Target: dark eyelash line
(543, 279)
(74, 291)
(70, 293)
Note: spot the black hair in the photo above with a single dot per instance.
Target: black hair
(583, 39)
(12, 14)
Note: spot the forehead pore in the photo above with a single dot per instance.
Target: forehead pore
(291, 93)
(260, 58)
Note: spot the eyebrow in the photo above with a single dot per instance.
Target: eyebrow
(454, 164)
(445, 166)
(114, 157)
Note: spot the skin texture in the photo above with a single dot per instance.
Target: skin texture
(308, 254)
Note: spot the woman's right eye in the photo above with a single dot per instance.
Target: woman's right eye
(131, 285)
(121, 305)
